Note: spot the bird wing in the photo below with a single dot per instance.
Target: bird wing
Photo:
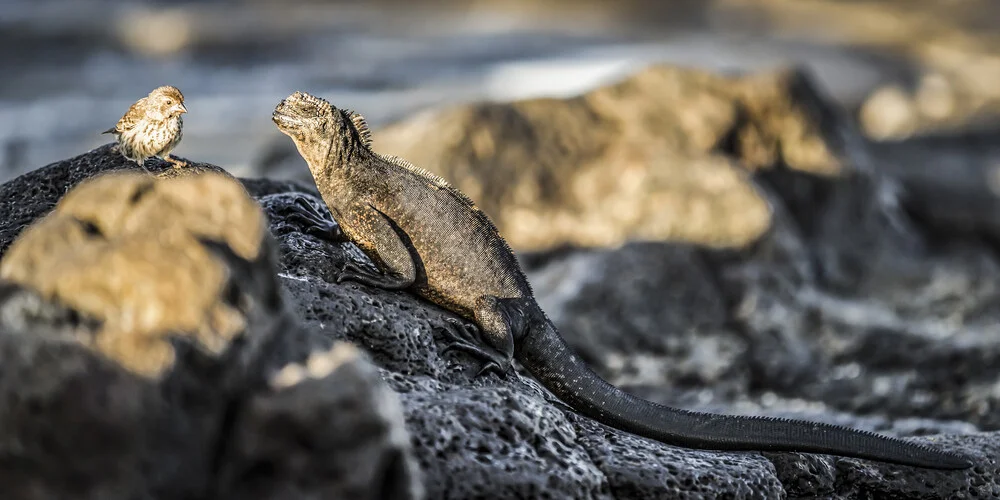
(132, 116)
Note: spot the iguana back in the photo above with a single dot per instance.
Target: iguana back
(427, 237)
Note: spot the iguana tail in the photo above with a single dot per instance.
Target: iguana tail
(550, 360)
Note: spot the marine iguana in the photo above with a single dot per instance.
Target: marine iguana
(426, 237)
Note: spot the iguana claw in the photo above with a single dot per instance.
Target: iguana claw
(351, 272)
(314, 223)
(464, 337)
(490, 366)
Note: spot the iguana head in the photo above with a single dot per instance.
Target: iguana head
(319, 129)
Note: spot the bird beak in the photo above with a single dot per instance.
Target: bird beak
(180, 108)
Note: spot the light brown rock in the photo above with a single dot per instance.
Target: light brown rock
(124, 249)
(661, 155)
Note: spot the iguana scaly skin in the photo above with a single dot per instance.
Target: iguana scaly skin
(428, 238)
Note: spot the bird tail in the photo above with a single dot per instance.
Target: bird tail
(546, 355)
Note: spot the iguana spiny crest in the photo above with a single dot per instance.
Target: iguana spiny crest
(302, 111)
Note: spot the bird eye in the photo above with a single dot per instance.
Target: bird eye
(170, 101)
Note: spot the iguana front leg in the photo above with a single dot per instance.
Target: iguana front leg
(383, 245)
(493, 340)
(315, 223)
(465, 338)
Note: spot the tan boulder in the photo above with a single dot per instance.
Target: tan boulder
(124, 250)
(665, 154)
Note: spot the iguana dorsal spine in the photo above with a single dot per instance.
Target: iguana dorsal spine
(427, 237)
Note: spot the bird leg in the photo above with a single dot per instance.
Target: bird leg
(142, 165)
(175, 161)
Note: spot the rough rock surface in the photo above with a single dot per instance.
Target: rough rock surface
(328, 428)
(743, 333)
(148, 353)
(843, 310)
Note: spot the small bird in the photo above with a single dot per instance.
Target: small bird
(152, 126)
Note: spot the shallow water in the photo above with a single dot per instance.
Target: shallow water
(74, 66)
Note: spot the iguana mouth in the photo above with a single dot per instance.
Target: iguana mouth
(283, 120)
(295, 109)
(289, 115)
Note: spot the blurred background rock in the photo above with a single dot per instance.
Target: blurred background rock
(786, 273)
(920, 76)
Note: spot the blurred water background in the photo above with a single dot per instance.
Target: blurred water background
(904, 68)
